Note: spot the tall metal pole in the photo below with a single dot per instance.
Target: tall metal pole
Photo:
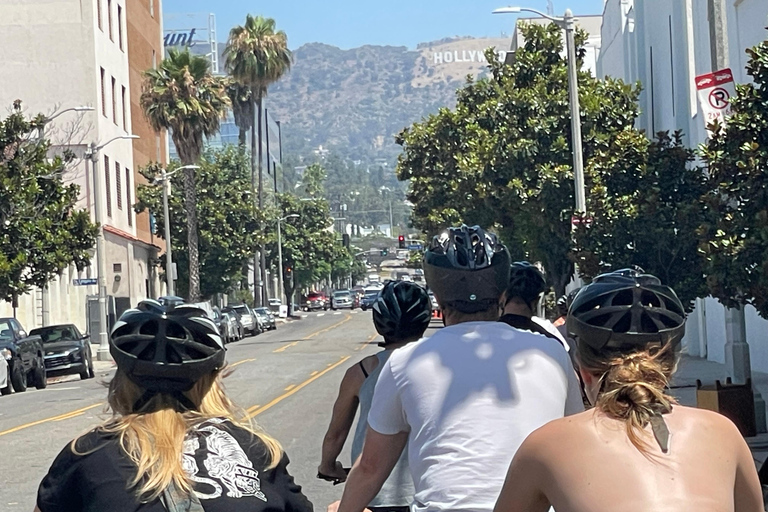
(45, 291)
(101, 264)
(280, 260)
(280, 143)
(573, 88)
(168, 248)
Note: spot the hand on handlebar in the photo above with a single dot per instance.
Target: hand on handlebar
(337, 474)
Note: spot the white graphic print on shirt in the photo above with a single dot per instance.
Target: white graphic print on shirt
(226, 463)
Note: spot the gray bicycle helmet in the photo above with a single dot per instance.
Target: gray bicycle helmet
(525, 282)
(467, 268)
(151, 305)
(624, 309)
(402, 311)
(166, 353)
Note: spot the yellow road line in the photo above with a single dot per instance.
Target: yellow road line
(313, 373)
(256, 410)
(290, 387)
(373, 337)
(60, 417)
(316, 333)
(240, 362)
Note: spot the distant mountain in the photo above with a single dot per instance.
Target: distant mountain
(354, 102)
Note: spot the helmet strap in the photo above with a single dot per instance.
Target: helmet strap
(183, 403)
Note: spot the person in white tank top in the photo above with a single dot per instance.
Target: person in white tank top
(401, 314)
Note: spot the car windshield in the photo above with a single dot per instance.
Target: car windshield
(340, 294)
(371, 295)
(57, 333)
(243, 310)
(264, 311)
(5, 331)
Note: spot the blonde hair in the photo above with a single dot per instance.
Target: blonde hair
(154, 440)
(632, 385)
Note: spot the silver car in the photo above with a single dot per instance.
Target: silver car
(342, 299)
(246, 318)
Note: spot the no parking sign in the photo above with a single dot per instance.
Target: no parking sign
(715, 91)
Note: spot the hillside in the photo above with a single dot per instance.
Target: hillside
(353, 102)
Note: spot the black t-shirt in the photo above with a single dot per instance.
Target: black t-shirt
(226, 463)
(526, 324)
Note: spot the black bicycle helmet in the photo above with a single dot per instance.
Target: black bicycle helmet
(467, 268)
(402, 311)
(151, 305)
(166, 353)
(525, 282)
(625, 309)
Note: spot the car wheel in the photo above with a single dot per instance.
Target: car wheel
(18, 378)
(40, 378)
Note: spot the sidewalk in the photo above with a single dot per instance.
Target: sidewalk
(684, 389)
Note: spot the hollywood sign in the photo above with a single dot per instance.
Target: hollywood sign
(464, 56)
(179, 39)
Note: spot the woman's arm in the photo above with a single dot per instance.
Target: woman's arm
(523, 487)
(341, 422)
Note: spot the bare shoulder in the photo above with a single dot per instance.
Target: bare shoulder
(705, 421)
(553, 436)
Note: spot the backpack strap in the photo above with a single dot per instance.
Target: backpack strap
(175, 500)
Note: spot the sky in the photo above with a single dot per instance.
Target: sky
(351, 23)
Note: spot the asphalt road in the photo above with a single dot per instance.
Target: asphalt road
(286, 379)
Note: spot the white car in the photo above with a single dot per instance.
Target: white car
(5, 387)
(342, 299)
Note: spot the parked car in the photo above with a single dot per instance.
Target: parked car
(235, 327)
(267, 318)
(238, 320)
(316, 300)
(67, 350)
(24, 354)
(247, 318)
(369, 298)
(274, 304)
(342, 299)
(222, 324)
(5, 377)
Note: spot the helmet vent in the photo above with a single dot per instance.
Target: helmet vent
(623, 298)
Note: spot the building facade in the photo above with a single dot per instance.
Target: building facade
(664, 45)
(62, 54)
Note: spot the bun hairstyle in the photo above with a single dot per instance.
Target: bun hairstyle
(633, 384)
(628, 327)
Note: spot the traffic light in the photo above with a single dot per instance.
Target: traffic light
(384, 252)
(288, 272)
(345, 240)
(401, 241)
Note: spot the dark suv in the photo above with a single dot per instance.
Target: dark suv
(24, 354)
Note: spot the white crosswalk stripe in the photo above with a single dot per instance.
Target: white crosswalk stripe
(321, 314)
(337, 313)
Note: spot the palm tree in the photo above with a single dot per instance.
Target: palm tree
(242, 108)
(181, 95)
(256, 56)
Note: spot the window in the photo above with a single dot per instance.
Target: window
(108, 185)
(154, 59)
(128, 204)
(125, 112)
(98, 15)
(120, 27)
(103, 94)
(118, 186)
(114, 100)
(109, 20)
(152, 8)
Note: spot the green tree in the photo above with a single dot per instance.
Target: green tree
(502, 158)
(242, 108)
(41, 230)
(735, 233)
(228, 230)
(647, 215)
(308, 245)
(182, 95)
(313, 181)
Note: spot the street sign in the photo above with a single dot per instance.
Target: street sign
(576, 220)
(715, 91)
(85, 282)
(414, 247)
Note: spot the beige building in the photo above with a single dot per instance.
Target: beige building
(60, 54)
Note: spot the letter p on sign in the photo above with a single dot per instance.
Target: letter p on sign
(715, 91)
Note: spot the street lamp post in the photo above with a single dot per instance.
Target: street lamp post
(92, 153)
(164, 176)
(280, 252)
(567, 23)
(46, 312)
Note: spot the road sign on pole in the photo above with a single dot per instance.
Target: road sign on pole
(85, 282)
(715, 91)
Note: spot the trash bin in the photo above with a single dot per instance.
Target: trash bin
(734, 401)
